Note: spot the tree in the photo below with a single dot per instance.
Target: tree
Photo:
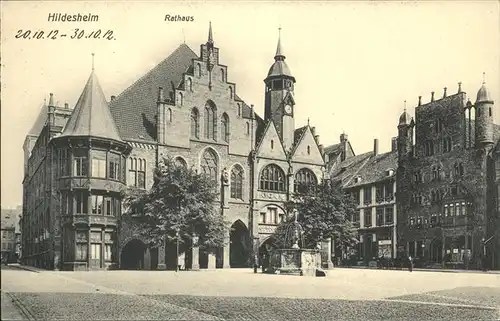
(323, 212)
(180, 203)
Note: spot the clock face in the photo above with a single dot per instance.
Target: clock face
(288, 109)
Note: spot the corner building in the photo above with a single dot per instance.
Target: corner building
(185, 108)
(447, 178)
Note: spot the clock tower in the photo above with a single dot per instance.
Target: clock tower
(279, 99)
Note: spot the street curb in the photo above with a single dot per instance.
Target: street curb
(23, 267)
(22, 309)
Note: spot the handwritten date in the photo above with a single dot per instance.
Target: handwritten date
(73, 34)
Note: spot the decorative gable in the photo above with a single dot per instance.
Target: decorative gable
(270, 146)
(307, 149)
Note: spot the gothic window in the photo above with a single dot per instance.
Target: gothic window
(459, 169)
(169, 115)
(272, 178)
(231, 92)
(210, 121)
(239, 110)
(272, 144)
(434, 173)
(308, 150)
(181, 99)
(137, 172)
(190, 84)
(209, 164)
(237, 182)
(195, 123)
(222, 76)
(429, 148)
(304, 177)
(179, 161)
(199, 70)
(447, 145)
(225, 127)
(438, 126)
(248, 128)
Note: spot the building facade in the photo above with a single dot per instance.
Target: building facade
(185, 108)
(447, 180)
(10, 234)
(370, 178)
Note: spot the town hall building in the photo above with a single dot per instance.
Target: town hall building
(77, 160)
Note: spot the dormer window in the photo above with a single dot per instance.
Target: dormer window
(357, 179)
(390, 172)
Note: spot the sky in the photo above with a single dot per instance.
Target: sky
(355, 62)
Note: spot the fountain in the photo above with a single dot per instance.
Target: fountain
(292, 258)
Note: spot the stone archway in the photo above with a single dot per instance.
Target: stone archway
(239, 247)
(132, 256)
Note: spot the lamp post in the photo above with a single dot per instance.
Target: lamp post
(177, 251)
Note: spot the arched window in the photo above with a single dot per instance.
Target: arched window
(272, 178)
(179, 161)
(231, 92)
(210, 121)
(239, 110)
(222, 75)
(248, 128)
(199, 70)
(190, 84)
(195, 123)
(169, 115)
(237, 182)
(225, 127)
(272, 144)
(209, 164)
(429, 148)
(181, 99)
(303, 178)
(308, 150)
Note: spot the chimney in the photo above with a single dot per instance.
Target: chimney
(375, 147)
(321, 149)
(432, 96)
(394, 144)
(459, 87)
(113, 98)
(419, 100)
(343, 138)
(313, 130)
(160, 95)
(51, 100)
(66, 106)
(444, 92)
(316, 137)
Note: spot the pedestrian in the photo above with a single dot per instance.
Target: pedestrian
(264, 256)
(410, 263)
(255, 263)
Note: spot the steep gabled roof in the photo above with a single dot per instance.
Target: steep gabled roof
(134, 110)
(347, 169)
(91, 115)
(375, 169)
(40, 121)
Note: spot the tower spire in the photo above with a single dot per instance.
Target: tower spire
(210, 36)
(279, 55)
(92, 61)
(484, 78)
(405, 106)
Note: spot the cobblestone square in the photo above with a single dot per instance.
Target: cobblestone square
(238, 294)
